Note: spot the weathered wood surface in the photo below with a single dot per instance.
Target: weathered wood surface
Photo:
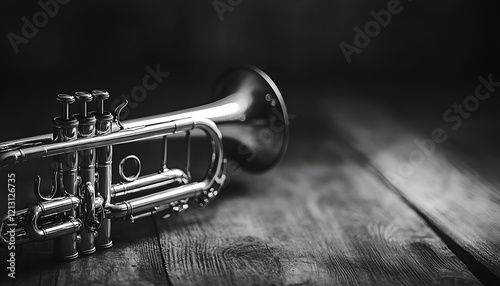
(455, 185)
(323, 218)
(134, 259)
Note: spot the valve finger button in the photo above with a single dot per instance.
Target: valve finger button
(65, 100)
(100, 96)
(84, 97)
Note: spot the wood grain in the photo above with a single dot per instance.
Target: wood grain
(453, 187)
(134, 259)
(322, 219)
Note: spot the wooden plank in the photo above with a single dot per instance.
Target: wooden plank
(451, 186)
(134, 259)
(321, 217)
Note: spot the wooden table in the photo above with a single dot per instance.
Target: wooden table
(333, 212)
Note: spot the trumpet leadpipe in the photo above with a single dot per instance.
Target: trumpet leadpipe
(113, 138)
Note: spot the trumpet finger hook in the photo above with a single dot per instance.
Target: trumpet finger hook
(36, 188)
(118, 111)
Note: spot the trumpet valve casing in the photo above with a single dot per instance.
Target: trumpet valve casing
(104, 124)
(65, 166)
(86, 167)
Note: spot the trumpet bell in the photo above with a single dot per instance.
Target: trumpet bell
(249, 111)
(255, 127)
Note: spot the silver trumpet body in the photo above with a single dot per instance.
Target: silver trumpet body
(248, 123)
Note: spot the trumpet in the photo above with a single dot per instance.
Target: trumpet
(83, 202)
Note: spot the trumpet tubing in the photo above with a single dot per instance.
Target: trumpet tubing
(248, 123)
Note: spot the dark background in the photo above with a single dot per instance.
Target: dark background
(90, 44)
(429, 56)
